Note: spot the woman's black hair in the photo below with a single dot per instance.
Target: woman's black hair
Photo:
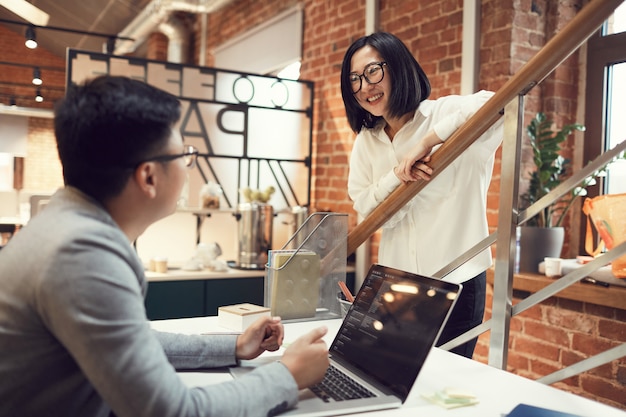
(410, 85)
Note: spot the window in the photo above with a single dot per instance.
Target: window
(616, 104)
(605, 101)
(616, 125)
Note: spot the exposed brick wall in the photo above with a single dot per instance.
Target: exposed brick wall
(157, 46)
(528, 35)
(558, 333)
(42, 167)
(560, 101)
(328, 32)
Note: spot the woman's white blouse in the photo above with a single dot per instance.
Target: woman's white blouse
(448, 216)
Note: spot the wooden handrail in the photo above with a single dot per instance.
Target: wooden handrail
(562, 45)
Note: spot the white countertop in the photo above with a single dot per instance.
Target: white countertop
(174, 274)
(178, 274)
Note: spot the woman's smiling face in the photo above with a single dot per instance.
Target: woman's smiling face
(373, 98)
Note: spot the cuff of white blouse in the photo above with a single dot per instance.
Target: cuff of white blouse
(389, 182)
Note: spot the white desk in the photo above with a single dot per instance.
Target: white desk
(499, 391)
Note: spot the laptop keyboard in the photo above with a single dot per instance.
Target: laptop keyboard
(339, 387)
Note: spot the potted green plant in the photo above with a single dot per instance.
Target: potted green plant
(551, 169)
(543, 235)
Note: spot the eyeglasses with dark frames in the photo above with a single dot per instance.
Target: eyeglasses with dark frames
(373, 74)
(190, 154)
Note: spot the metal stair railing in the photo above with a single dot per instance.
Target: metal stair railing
(503, 309)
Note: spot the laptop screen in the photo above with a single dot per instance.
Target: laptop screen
(392, 325)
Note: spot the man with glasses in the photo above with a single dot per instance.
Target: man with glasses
(74, 337)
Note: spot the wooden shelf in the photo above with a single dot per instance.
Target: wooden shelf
(201, 214)
(204, 212)
(612, 296)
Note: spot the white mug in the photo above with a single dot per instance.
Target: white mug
(552, 266)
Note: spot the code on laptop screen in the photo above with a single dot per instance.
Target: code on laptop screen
(395, 320)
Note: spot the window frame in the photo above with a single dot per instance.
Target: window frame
(602, 52)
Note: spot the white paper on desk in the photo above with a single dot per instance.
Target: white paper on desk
(248, 366)
(200, 379)
(264, 359)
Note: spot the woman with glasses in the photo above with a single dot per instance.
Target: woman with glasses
(385, 93)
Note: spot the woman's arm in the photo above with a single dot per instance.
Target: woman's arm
(371, 178)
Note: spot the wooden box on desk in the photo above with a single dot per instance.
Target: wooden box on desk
(239, 316)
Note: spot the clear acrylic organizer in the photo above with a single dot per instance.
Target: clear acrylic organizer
(322, 236)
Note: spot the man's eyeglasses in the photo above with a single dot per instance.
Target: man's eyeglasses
(373, 74)
(190, 154)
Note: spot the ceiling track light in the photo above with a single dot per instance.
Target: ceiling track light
(31, 40)
(38, 97)
(110, 45)
(37, 76)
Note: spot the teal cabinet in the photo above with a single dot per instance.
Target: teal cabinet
(198, 298)
(223, 292)
(183, 298)
(175, 299)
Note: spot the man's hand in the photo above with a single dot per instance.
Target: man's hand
(266, 333)
(307, 358)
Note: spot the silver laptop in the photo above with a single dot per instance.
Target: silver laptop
(382, 344)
